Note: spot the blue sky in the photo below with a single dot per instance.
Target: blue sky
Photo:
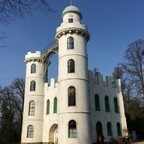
(113, 24)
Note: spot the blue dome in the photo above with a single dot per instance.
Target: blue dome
(71, 9)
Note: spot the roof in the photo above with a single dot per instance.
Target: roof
(71, 9)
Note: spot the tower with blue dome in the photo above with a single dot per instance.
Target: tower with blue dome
(72, 38)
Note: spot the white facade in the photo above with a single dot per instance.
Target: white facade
(80, 107)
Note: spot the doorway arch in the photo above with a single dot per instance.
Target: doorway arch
(99, 130)
(53, 134)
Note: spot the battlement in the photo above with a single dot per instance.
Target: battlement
(33, 55)
(52, 84)
(97, 78)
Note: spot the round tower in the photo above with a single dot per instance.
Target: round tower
(33, 101)
(74, 112)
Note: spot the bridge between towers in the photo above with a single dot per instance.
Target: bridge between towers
(50, 50)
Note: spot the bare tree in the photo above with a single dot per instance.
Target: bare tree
(10, 9)
(134, 67)
(131, 73)
(17, 89)
(11, 109)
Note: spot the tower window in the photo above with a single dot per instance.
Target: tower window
(71, 96)
(30, 131)
(70, 43)
(31, 108)
(72, 130)
(109, 129)
(70, 20)
(55, 105)
(33, 68)
(116, 105)
(32, 86)
(97, 104)
(118, 129)
(71, 66)
(107, 104)
(48, 107)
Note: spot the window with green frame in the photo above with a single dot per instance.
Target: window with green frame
(55, 105)
(31, 108)
(71, 66)
(48, 107)
(97, 104)
(118, 129)
(72, 129)
(30, 131)
(116, 105)
(70, 41)
(107, 109)
(33, 68)
(109, 129)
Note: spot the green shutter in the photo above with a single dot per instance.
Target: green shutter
(118, 129)
(48, 107)
(116, 105)
(107, 104)
(109, 130)
(97, 104)
(55, 105)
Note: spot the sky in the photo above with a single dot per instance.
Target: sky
(112, 24)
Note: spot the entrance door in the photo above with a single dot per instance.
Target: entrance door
(53, 134)
(99, 130)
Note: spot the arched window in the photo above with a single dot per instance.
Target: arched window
(32, 86)
(31, 108)
(107, 104)
(70, 43)
(118, 129)
(33, 68)
(109, 129)
(116, 105)
(55, 105)
(48, 107)
(72, 129)
(30, 131)
(71, 96)
(71, 66)
(97, 104)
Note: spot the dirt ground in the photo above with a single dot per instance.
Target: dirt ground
(138, 142)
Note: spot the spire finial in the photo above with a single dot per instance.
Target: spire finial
(71, 2)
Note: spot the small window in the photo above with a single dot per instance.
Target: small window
(107, 104)
(32, 86)
(118, 129)
(70, 43)
(71, 66)
(71, 96)
(55, 105)
(116, 105)
(48, 107)
(97, 104)
(30, 131)
(70, 20)
(33, 68)
(31, 108)
(72, 130)
(109, 129)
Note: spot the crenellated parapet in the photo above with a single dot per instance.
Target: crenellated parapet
(32, 57)
(97, 78)
(52, 84)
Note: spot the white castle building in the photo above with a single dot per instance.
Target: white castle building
(81, 106)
